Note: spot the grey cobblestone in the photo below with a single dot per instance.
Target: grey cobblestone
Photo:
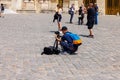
(23, 37)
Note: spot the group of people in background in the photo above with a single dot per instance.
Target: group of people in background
(91, 11)
(83, 10)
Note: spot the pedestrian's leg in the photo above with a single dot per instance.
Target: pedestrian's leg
(91, 33)
(3, 15)
(59, 26)
(78, 21)
(90, 26)
(71, 17)
(96, 18)
(0, 14)
(81, 21)
(53, 19)
(59, 22)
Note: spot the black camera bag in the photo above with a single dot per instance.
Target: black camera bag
(51, 49)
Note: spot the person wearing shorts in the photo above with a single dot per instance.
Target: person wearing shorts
(90, 19)
(59, 10)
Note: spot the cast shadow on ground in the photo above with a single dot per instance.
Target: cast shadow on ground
(67, 22)
(76, 23)
(70, 23)
(86, 36)
(83, 35)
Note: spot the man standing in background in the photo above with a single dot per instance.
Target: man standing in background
(90, 19)
(71, 12)
(96, 13)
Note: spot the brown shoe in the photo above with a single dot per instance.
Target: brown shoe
(90, 36)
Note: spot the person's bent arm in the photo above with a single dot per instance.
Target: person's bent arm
(58, 39)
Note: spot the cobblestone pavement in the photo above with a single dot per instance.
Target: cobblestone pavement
(23, 37)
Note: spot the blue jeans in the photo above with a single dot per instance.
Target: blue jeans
(96, 18)
(71, 17)
(70, 48)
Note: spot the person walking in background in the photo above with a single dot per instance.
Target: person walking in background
(81, 16)
(96, 13)
(2, 10)
(58, 16)
(83, 11)
(71, 12)
(90, 19)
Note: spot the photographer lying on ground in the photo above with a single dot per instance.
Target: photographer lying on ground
(69, 41)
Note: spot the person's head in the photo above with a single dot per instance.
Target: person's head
(1, 4)
(90, 5)
(58, 6)
(64, 29)
(72, 5)
(80, 7)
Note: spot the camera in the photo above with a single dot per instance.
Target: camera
(58, 34)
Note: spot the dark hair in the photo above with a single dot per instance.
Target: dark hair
(1, 4)
(64, 28)
(80, 7)
(57, 5)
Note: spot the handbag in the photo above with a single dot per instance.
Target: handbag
(70, 11)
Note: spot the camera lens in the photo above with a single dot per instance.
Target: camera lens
(57, 32)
